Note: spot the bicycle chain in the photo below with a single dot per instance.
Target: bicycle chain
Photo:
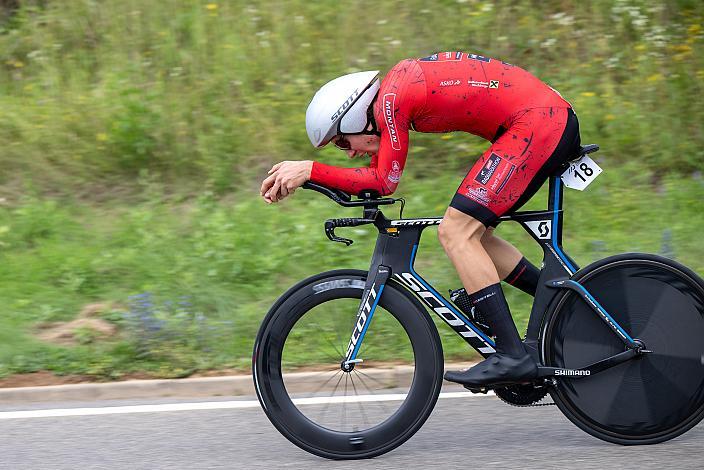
(525, 406)
(522, 395)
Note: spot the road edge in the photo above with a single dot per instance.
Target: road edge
(201, 387)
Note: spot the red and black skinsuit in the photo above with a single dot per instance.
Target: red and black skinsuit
(531, 127)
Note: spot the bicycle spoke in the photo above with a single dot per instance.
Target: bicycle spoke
(361, 408)
(331, 362)
(340, 339)
(381, 403)
(344, 405)
(327, 405)
(311, 330)
(340, 355)
(382, 384)
(338, 371)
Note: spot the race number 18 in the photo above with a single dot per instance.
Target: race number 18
(581, 173)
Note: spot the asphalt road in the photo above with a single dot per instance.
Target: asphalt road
(474, 432)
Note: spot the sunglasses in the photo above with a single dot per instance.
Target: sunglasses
(342, 143)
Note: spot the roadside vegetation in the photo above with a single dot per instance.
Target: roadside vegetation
(135, 135)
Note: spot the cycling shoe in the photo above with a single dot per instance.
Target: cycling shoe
(497, 369)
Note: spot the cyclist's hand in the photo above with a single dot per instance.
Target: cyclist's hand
(284, 178)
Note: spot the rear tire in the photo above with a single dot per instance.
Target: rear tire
(653, 397)
(298, 324)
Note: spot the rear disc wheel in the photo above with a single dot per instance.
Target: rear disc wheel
(655, 396)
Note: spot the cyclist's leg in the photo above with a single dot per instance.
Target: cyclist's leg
(460, 235)
(511, 266)
(504, 255)
(506, 176)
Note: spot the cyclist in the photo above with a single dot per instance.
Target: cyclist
(532, 130)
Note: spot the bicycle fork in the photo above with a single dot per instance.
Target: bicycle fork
(370, 299)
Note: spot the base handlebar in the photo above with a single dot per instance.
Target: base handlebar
(367, 198)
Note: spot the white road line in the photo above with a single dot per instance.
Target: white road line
(211, 405)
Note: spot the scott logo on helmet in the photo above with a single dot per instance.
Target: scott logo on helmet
(348, 102)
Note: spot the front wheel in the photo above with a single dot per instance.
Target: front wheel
(339, 414)
(655, 396)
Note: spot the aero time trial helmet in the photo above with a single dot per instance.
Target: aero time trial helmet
(340, 107)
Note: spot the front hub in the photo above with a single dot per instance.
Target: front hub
(348, 366)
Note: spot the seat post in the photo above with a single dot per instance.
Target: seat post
(555, 185)
(556, 193)
(555, 197)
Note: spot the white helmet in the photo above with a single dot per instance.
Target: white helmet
(340, 107)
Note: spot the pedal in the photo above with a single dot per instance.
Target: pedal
(483, 390)
(460, 298)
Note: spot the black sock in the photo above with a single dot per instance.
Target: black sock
(524, 276)
(492, 303)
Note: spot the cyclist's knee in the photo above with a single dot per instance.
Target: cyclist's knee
(457, 230)
(488, 235)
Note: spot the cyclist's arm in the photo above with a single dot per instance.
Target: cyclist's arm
(381, 175)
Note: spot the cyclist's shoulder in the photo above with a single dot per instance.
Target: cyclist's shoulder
(403, 69)
(401, 94)
(405, 80)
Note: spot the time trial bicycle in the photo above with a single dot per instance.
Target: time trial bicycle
(619, 343)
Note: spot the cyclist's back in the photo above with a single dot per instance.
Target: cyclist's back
(467, 92)
(456, 91)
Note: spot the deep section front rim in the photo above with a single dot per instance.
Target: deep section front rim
(319, 436)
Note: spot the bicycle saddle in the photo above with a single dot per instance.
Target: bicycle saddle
(583, 150)
(587, 149)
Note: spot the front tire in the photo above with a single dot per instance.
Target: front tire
(312, 324)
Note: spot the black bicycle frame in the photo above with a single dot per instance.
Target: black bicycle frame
(395, 253)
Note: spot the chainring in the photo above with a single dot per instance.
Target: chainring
(522, 394)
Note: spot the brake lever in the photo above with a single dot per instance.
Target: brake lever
(331, 224)
(330, 232)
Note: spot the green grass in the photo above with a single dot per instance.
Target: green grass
(135, 135)
(211, 96)
(212, 268)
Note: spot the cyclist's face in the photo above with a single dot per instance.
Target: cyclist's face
(357, 145)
